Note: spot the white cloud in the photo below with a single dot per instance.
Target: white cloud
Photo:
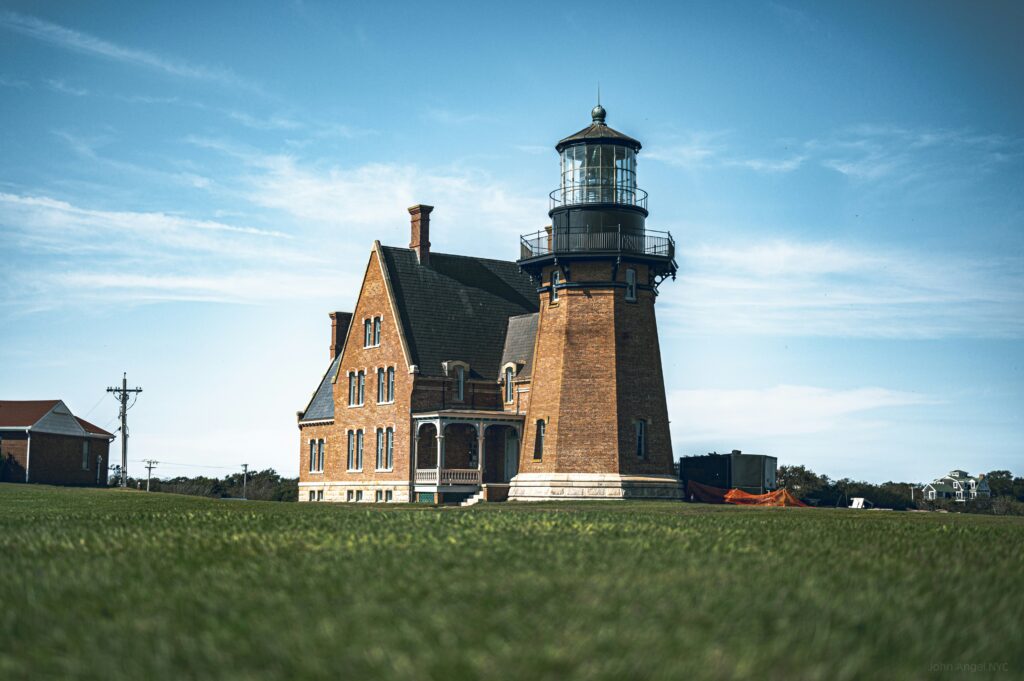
(784, 410)
(822, 289)
(77, 41)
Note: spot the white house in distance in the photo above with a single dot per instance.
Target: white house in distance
(957, 485)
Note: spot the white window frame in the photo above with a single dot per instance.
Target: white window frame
(631, 285)
(378, 496)
(362, 387)
(388, 496)
(510, 390)
(389, 448)
(319, 495)
(350, 461)
(377, 323)
(368, 332)
(349, 496)
(359, 495)
(312, 456)
(321, 454)
(312, 495)
(380, 450)
(360, 440)
(460, 383)
(382, 389)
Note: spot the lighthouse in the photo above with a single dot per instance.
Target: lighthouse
(596, 425)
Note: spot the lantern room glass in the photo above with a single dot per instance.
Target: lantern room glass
(598, 173)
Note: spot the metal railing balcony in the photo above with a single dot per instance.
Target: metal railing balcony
(582, 194)
(585, 240)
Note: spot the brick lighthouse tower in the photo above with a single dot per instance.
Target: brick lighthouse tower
(597, 423)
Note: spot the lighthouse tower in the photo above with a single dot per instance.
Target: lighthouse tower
(597, 423)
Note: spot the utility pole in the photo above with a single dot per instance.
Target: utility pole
(245, 474)
(122, 394)
(150, 465)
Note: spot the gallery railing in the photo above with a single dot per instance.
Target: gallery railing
(585, 240)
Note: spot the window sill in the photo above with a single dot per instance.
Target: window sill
(356, 406)
(385, 403)
(353, 470)
(384, 470)
(316, 472)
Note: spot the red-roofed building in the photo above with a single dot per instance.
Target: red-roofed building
(42, 441)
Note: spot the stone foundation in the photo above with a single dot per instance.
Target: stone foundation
(338, 491)
(575, 486)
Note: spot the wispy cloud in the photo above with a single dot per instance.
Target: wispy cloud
(60, 86)
(67, 38)
(72, 254)
(17, 83)
(784, 410)
(820, 289)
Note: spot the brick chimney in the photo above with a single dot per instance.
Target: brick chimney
(420, 239)
(339, 329)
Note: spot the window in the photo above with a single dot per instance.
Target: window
(349, 495)
(321, 446)
(359, 450)
(352, 389)
(350, 463)
(382, 391)
(388, 495)
(320, 495)
(641, 438)
(380, 448)
(85, 455)
(312, 495)
(510, 394)
(460, 383)
(556, 279)
(360, 388)
(359, 495)
(631, 285)
(376, 331)
(312, 455)
(379, 496)
(538, 445)
(391, 384)
(367, 333)
(389, 449)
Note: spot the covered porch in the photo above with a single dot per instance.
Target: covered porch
(459, 453)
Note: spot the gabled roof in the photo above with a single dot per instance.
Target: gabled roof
(46, 416)
(519, 342)
(24, 413)
(457, 307)
(321, 406)
(92, 429)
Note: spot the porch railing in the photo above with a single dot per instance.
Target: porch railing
(449, 476)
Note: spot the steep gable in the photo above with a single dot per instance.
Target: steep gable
(456, 308)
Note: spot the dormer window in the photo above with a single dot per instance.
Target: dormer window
(460, 383)
(510, 391)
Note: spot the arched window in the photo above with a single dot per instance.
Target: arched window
(510, 394)
(389, 450)
(367, 333)
(362, 388)
(376, 330)
(380, 448)
(391, 384)
(538, 445)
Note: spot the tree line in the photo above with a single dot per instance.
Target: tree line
(267, 485)
(820, 490)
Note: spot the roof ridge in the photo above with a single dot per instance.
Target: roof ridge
(454, 255)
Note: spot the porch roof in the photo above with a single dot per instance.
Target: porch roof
(450, 415)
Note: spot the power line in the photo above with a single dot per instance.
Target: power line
(122, 395)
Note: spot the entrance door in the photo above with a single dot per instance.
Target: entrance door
(511, 454)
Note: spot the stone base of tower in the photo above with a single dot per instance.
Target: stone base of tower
(557, 486)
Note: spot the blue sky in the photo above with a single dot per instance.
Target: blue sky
(186, 191)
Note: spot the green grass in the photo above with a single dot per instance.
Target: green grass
(106, 584)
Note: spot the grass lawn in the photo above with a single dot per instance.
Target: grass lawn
(110, 584)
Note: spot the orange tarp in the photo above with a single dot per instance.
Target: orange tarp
(717, 495)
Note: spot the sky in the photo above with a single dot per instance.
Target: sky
(186, 190)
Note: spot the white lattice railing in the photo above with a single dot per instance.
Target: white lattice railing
(449, 476)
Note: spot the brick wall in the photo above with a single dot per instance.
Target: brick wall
(57, 460)
(13, 452)
(597, 368)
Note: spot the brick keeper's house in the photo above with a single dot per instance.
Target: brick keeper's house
(459, 378)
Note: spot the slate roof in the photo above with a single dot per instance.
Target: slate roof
(321, 406)
(519, 341)
(23, 413)
(457, 307)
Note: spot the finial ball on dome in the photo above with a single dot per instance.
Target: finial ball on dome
(598, 113)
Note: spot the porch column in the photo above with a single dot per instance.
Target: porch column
(480, 450)
(440, 452)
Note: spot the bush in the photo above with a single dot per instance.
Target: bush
(1007, 506)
